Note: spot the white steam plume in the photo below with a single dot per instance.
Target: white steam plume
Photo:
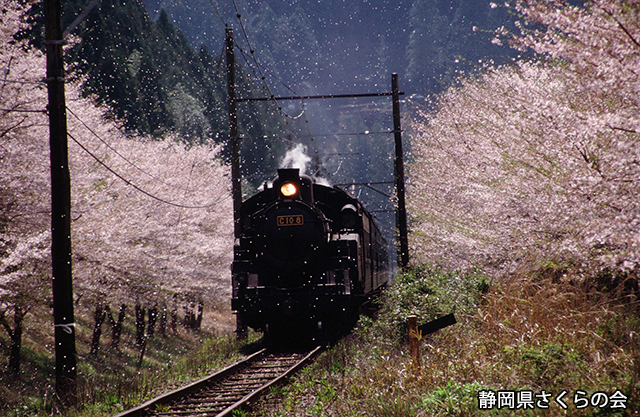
(296, 158)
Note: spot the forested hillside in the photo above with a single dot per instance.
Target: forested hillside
(154, 82)
(338, 46)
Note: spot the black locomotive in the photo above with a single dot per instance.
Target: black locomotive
(307, 257)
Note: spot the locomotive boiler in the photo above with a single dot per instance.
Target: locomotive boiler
(306, 258)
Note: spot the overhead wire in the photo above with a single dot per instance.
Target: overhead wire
(286, 115)
(23, 82)
(218, 13)
(255, 60)
(261, 78)
(23, 111)
(251, 50)
(365, 133)
(133, 164)
(140, 189)
(101, 162)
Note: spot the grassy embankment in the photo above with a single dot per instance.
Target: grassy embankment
(539, 331)
(111, 381)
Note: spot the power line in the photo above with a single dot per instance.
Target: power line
(128, 161)
(251, 50)
(79, 19)
(218, 13)
(23, 111)
(262, 76)
(138, 188)
(24, 82)
(365, 133)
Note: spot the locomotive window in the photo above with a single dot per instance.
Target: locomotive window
(253, 280)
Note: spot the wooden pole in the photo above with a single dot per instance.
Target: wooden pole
(401, 214)
(64, 322)
(234, 145)
(236, 183)
(414, 342)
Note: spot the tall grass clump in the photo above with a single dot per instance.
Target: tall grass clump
(114, 379)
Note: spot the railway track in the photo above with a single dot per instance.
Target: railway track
(225, 391)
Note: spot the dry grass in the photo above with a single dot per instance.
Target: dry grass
(532, 332)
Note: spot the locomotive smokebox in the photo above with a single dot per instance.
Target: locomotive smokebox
(292, 234)
(292, 231)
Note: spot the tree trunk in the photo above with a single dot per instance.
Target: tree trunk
(99, 316)
(16, 339)
(163, 321)
(140, 325)
(143, 348)
(189, 318)
(153, 317)
(200, 312)
(174, 315)
(116, 327)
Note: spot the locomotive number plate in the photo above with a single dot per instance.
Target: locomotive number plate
(291, 220)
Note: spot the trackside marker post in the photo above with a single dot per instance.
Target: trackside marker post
(416, 333)
(414, 341)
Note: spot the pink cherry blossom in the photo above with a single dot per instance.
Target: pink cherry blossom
(149, 218)
(538, 160)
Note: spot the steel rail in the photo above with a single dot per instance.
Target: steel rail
(176, 394)
(258, 392)
(240, 372)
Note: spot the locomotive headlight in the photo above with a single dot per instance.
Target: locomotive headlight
(288, 189)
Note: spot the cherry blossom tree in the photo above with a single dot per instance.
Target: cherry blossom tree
(149, 218)
(539, 160)
(24, 244)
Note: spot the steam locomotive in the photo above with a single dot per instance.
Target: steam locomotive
(306, 258)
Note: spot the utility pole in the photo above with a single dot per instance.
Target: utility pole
(64, 322)
(401, 214)
(236, 180)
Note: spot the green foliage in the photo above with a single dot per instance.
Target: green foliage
(546, 364)
(452, 399)
(109, 382)
(239, 413)
(429, 293)
(525, 333)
